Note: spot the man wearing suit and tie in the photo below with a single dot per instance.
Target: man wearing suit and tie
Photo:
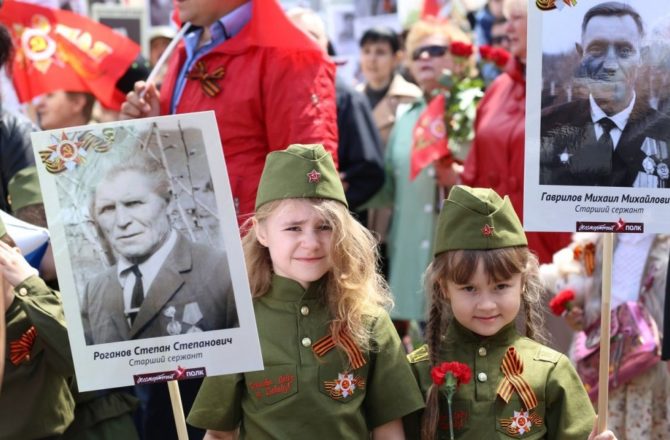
(613, 138)
(162, 284)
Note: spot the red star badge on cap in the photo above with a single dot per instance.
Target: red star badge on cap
(314, 176)
(487, 231)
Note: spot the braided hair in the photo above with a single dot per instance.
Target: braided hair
(459, 267)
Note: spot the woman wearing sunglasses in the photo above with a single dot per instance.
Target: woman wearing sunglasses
(415, 202)
(496, 158)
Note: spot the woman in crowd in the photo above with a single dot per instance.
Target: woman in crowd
(386, 90)
(414, 201)
(383, 86)
(496, 159)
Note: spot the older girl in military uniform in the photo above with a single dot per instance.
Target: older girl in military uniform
(480, 278)
(334, 365)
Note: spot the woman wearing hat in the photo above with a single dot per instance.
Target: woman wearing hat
(415, 201)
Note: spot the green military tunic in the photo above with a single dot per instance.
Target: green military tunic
(35, 401)
(563, 410)
(102, 415)
(300, 395)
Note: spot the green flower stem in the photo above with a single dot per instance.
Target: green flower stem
(450, 386)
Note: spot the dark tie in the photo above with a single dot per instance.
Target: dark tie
(138, 293)
(605, 142)
(596, 161)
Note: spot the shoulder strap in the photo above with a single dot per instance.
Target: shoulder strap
(418, 355)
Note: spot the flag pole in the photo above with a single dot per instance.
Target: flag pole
(165, 55)
(177, 410)
(605, 316)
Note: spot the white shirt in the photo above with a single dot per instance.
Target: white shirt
(620, 119)
(149, 269)
(628, 264)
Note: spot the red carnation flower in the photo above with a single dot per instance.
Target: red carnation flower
(500, 56)
(438, 376)
(485, 52)
(461, 49)
(452, 374)
(560, 303)
(461, 372)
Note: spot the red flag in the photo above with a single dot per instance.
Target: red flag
(431, 8)
(175, 14)
(429, 138)
(60, 50)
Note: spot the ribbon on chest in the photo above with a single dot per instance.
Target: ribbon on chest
(208, 80)
(327, 343)
(522, 421)
(346, 383)
(19, 350)
(512, 368)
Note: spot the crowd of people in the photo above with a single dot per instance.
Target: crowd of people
(371, 290)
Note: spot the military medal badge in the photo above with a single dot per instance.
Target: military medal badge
(449, 376)
(654, 164)
(174, 326)
(548, 5)
(344, 386)
(523, 420)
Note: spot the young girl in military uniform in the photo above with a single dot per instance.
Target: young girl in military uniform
(481, 276)
(334, 365)
(35, 399)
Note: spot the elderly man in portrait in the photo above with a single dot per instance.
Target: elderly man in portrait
(162, 284)
(613, 137)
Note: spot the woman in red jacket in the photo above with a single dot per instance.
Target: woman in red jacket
(496, 159)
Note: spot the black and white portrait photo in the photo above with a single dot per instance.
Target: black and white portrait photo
(601, 124)
(162, 282)
(147, 245)
(597, 144)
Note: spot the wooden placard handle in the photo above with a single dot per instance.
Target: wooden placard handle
(605, 316)
(177, 410)
(3, 330)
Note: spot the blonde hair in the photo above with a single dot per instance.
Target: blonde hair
(459, 267)
(511, 6)
(355, 291)
(311, 23)
(428, 27)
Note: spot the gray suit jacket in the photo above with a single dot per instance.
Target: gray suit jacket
(194, 278)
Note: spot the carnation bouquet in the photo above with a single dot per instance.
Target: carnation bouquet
(445, 129)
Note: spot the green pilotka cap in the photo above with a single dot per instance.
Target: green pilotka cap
(24, 189)
(300, 171)
(477, 218)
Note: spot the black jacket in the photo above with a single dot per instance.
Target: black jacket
(359, 146)
(15, 151)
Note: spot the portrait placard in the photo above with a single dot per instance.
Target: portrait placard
(128, 20)
(147, 250)
(597, 153)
